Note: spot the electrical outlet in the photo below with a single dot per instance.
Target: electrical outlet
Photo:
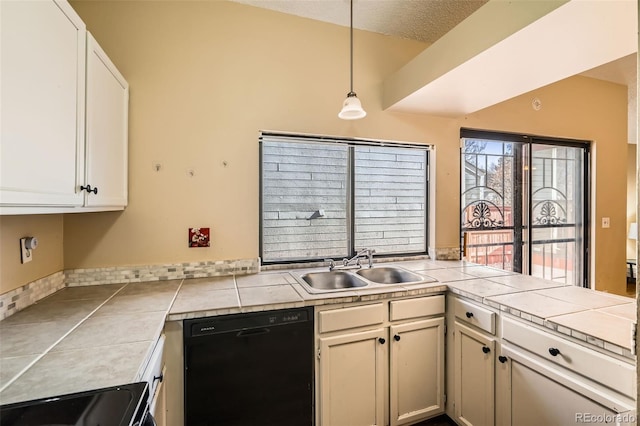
(25, 253)
(606, 222)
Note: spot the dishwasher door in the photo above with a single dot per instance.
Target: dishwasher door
(250, 369)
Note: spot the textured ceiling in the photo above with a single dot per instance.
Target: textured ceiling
(423, 20)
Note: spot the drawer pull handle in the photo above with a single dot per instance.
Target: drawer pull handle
(89, 189)
(486, 349)
(554, 351)
(160, 378)
(381, 340)
(502, 359)
(396, 337)
(469, 314)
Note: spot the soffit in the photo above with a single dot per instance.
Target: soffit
(571, 39)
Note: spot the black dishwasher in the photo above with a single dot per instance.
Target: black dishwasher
(249, 369)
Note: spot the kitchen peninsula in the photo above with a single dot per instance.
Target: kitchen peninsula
(98, 336)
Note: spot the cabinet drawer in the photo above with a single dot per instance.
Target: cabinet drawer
(609, 371)
(475, 315)
(343, 319)
(414, 308)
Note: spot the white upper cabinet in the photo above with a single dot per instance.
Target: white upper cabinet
(64, 114)
(42, 97)
(106, 130)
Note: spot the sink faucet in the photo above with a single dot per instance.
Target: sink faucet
(355, 260)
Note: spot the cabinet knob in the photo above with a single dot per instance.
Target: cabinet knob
(554, 351)
(486, 349)
(89, 189)
(396, 337)
(381, 340)
(502, 359)
(469, 314)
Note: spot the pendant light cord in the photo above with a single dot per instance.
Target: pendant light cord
(351, 37)
(351, 107)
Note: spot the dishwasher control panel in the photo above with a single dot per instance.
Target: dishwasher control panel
(239, 322)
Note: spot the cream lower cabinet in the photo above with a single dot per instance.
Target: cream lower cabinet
(352, 377)
(472, 359)
(158, 406)
(381, 363)
(173, 383)
(521, 374)
(416, 370)
(474, 376)
(554, 382)
(155, 374)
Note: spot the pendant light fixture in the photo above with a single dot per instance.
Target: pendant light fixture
(351, 107)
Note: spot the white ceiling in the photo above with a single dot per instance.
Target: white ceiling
(428, 21)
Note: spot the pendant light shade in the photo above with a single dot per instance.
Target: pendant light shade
(351, 107)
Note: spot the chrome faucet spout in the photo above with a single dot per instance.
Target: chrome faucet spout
(332, 264)
(355, 260)
(369, 255)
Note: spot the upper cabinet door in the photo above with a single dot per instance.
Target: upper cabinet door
(106, 132)
(43, 91)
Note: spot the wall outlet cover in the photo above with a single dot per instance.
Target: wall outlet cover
(199, 237)
(25, 252)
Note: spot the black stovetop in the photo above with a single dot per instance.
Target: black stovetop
(115, 406)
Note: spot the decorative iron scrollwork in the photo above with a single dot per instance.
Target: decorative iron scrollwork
(482, 218)
(548, 215)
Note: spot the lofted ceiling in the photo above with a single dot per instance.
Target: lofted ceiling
(423, 20)
(429, 20)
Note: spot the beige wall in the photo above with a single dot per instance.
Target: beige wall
(47, 257)
(205, 77)
(631, 196)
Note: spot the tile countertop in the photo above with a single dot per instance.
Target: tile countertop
(77, 338)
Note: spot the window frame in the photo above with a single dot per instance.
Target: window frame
(351, 144)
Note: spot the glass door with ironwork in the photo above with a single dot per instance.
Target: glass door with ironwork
(524, 204)
(489, 202)
(557, 209)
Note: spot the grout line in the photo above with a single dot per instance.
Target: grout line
(46, 351)
(175, 296)
(235, 284)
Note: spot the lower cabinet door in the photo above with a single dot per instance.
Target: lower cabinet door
(543, 394)
(474, 377)
(416, 370)
(158, 408)
(352, 378)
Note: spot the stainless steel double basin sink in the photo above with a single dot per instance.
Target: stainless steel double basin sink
(339, 280)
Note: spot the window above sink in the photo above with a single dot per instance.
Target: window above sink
(327, 197)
